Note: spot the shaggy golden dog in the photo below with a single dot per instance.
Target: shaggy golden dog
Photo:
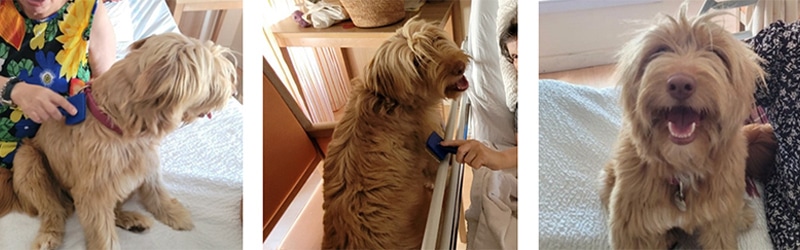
(164, 81)
(377, 167)
(679, 164)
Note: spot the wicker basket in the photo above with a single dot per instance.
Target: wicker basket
(374, 13)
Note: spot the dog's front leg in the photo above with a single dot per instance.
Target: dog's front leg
(163, 206)
(719, 235)
(130, 220)
(96, 214)
(631, 227)
(38, 192)
(625, 239)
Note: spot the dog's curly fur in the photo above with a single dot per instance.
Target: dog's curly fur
(164, 81)
(377, 167)
(654, 71)
(761, 147)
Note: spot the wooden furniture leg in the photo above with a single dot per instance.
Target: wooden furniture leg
(218, 24)
(176, 9)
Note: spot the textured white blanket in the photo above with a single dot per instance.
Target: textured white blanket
(577, 129)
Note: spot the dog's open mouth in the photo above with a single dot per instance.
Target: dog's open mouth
(461, 85)
(682, 123)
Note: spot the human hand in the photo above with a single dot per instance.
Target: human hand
(40, 103)
(475, 154)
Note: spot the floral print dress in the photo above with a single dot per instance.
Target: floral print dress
(52, 52)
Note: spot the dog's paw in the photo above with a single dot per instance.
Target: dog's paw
(177, 217)
(47, 241)
(747, 217)
(133, 221)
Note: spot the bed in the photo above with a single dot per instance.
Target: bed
(578, 126)
(492, 213)
(201, 164)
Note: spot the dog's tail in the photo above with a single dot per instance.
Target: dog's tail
(761, 146)
(8, 199)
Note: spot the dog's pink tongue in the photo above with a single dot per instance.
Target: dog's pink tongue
(682, 122)
(462, 84)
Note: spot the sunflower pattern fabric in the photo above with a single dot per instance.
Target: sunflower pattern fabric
(52, 52)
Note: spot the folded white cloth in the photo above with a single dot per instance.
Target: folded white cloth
(322, 14)
(492, 216)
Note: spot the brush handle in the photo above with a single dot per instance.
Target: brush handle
(450, 149)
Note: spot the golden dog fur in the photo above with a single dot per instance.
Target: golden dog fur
(761, 147)
(164, 81)
(637, 191)
(377, 167)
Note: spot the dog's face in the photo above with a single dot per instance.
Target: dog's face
(180, 78)
(687, 84)
(418, 64)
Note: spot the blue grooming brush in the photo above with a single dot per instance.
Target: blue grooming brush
(79, 101)
(439, 151)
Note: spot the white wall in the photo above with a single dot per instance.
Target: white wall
(578, 38)
(230, 34)
(200, 25)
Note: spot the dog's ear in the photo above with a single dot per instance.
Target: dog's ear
(138, 44)
(392, 72)
(744, 71)
(628, 72)
(742, 65)
(398, 69)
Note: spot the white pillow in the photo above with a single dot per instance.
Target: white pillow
(120, 15)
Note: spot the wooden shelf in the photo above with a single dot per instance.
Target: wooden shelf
(288, 33)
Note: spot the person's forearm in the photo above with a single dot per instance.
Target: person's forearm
(504, 159)
(3, 81)
(510, 158)
(102, 45)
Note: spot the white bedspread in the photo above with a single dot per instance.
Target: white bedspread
(136, 19)
(490, 119)
(492, 215)
(577, 129)
(201, 164)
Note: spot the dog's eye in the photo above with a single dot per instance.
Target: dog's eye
(718, 53)
(721, 56)
(658, 51)
(661, 49)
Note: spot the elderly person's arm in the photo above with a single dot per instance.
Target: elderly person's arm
(102, 42)
(40, 104)
(477, 155)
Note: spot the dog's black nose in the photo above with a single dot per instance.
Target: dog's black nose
(680, 86)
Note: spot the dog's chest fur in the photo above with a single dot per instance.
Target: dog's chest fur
(113, 157)
(710, 186)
